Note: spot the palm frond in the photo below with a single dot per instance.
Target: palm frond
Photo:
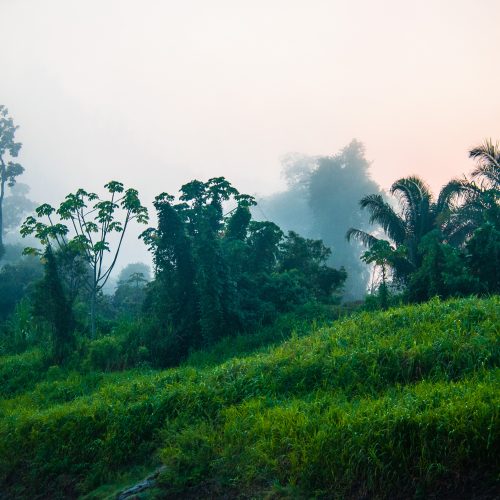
(415, 198)
(362, 236)
(463, 221)
(384, 215)
(489, 173)
(460, 232)
(412, 188)
(450, 193)
(486, 153)
(488, 158)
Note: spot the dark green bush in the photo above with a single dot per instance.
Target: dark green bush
(105, 354)
(19, 373)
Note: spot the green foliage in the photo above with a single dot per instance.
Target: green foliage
(450, 246)
(308, 257)
(91, 221)
(17, 371)
(404, 442)
(484, 256)
(304, 320)
(443, 272)
(52, 307)
(377, 404)
(16, 280)
(105, 354)
(219, 274)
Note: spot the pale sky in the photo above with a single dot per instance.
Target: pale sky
(155, 93)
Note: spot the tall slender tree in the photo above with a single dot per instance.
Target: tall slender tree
(383, 255)
(9, 169)
(91, 221)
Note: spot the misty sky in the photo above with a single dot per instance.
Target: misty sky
(155, 93)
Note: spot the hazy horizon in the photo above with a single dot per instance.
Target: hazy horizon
(157, 93)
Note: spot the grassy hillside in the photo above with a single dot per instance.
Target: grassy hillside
(402, 403)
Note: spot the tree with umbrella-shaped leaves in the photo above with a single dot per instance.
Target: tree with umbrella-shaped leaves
(84, 224)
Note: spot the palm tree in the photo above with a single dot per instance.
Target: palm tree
(419, 214)
(479, 196)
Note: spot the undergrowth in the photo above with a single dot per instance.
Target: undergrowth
(399, 401)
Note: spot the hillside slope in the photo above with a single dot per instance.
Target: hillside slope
(401, 403)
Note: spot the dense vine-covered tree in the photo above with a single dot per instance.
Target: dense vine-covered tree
(309, 257)
(172, 294)
(52, 306)
(219, 273)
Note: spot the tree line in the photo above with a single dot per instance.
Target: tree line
(218, 271)
(442, 246)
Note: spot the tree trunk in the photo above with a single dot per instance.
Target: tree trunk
(93, 304)
(383, 292)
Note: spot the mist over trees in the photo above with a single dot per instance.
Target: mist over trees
(16, 206)
(249, 250)
(322, 201)
(9, 168)
(225, 265)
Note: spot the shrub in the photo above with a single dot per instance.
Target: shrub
(105, 354)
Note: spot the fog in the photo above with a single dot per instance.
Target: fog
(156, 93)
(321, 202)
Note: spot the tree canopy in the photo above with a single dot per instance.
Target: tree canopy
(218, 272)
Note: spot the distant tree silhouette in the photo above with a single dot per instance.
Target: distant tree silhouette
(9, 169)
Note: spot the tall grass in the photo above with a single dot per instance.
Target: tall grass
(333, 411)
(430, 437)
